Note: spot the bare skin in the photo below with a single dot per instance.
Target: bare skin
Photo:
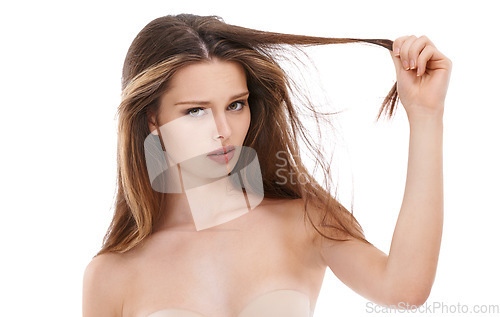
(218, 271)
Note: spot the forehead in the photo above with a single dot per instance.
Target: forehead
(204, 80)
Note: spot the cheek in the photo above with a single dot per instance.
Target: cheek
(186, 138)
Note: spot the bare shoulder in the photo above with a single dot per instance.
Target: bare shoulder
(307, 224)
(303, 223)
(292, 215)
(104, 280)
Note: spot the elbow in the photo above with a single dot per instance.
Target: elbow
(410, 296)
(413, 299)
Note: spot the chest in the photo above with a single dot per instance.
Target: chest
(219, 272)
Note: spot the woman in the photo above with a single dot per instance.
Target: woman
(209, 227)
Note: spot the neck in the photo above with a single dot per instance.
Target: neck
(210, 203)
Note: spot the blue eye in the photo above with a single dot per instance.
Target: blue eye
(195, 112)
(198, 112)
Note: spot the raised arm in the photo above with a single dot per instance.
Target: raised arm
(406, 275)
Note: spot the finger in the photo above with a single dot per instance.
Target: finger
(395, 53)
(405, 47)
(396, 45)
(423, 58)
(396, 60)
(416, 48)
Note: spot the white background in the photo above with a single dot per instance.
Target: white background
(60, 69)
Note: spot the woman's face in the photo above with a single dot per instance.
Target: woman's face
(205, 109)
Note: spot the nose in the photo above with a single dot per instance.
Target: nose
(223, 127)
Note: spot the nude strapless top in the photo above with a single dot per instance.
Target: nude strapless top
(277, 303)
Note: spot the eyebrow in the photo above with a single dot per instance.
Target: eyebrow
(199, 102)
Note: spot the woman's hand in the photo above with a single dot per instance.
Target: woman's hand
(423, 74)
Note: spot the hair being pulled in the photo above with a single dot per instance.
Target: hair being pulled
(169, 43)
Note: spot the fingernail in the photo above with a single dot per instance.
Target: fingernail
(412, 64)
(405, 65)
(396, 51)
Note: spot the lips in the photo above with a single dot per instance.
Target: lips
(221, 151)
(222, 155)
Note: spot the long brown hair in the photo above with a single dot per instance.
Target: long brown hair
(169, 43)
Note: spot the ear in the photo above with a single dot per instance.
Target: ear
(152, 122)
